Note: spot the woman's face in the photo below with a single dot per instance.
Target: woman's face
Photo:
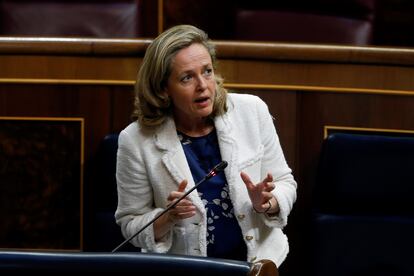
(191, 85)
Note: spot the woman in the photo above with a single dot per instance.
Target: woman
(186, 124)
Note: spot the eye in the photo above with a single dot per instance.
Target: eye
(208, 72)
(186, 78)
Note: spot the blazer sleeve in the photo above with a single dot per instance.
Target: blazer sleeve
(135, 196)
(274, 162)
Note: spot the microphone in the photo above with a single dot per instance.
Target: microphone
(214, 171)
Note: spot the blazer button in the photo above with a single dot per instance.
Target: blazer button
(241, 216)
(249, 238)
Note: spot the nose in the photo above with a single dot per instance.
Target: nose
(202, 83)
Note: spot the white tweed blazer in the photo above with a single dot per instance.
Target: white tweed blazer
(151, 164)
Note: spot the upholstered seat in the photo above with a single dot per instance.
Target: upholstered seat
(103, 234)
(333, 22)
(108, 19)
(363, 216)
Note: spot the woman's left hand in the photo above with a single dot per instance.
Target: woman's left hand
(260, 194)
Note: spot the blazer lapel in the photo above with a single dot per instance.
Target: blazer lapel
(175, 160)
(228, 146)
(173, 157)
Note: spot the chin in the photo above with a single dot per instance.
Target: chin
(207, 112)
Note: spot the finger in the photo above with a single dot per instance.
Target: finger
(182, 212)
(246, 179)
(176, 194)
(188, 214)
(266, 205)
(185, 215)
(185, 203)
(266, 184)
(170, 197)
(267, 196)
(184, 209)
(182, 185)
(173, 195)
(269, 186)
(268, 178)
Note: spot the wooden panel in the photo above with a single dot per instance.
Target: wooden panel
(328, 130)
(241, 63)
(41, 163)
(283, 107)
(104, 109)
(357, 76)
(32, 68)
(99, 105)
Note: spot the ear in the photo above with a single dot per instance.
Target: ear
(165, 96)
(164, 92)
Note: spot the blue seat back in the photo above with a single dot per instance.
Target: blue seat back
(133, 263)
(363, 213)
(103, 233)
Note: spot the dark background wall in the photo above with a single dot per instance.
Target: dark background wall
(353, 22)
(384, 22)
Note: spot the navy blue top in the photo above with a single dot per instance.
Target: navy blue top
(224, 237)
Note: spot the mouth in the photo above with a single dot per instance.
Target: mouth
(201, 100)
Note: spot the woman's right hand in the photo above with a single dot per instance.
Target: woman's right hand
(184, 209)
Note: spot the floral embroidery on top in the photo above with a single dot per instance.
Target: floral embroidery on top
(217, 209)
(223, 234)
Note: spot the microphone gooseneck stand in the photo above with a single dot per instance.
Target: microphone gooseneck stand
(218, 168)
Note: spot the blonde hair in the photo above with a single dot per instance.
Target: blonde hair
(151, 106)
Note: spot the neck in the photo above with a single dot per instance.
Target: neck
(195, 129)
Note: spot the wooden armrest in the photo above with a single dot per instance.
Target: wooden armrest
(263, 267)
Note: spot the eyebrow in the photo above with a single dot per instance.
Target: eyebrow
(191, 70)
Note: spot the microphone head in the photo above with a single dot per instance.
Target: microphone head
(217, 168)
(221, 166)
